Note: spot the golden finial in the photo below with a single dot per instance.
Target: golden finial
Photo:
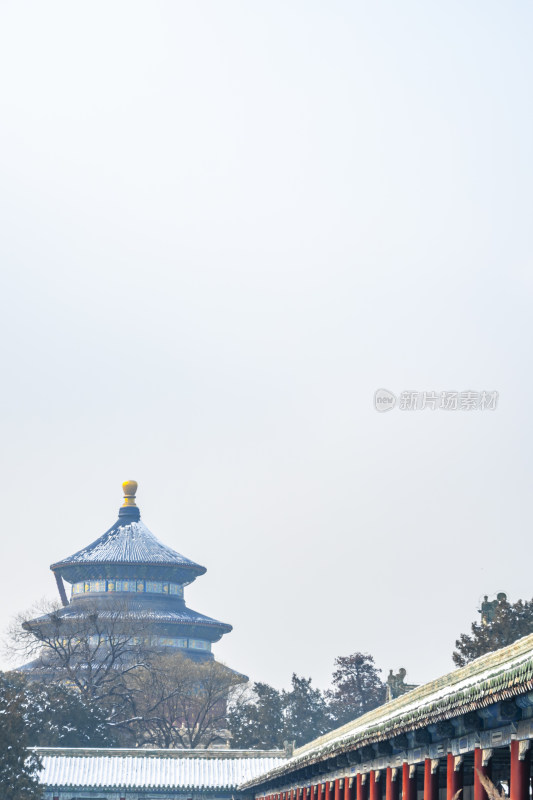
(129, 487)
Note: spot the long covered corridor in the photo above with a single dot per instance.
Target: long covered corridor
(437, 742)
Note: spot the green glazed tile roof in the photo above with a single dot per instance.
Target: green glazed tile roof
(499, 675)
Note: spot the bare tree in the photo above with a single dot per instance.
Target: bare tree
(181, 703)
(91, 649)
(493, 792)
(150, 696)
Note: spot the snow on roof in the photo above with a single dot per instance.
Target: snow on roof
(426, 698)
(137, 608)
(128, 543)
(507, 671)
(152, 769)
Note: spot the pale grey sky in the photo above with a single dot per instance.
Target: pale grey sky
(223, 226)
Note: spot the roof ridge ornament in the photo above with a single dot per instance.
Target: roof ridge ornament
(130, 490)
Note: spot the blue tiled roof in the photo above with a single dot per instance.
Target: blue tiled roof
(167, 612)
(129, 542)
(129, 551)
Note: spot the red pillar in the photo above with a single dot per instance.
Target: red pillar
(520, 769)
(431, 782)
(479, 791)
(373, 789)
(318, 791)
(454, 777)
(326, 791)
(346, 788)
(392, 788)
(360, 788)
(337, 794)
(304, 793)
(408, 783)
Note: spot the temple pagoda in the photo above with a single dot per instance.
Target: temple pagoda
(130, 565)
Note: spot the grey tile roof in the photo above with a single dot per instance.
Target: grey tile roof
(153, 769)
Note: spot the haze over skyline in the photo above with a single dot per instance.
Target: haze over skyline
(224, 226)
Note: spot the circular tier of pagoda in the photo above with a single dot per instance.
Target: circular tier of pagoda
(130, 569)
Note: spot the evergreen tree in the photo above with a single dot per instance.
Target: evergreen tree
(267, 718)
(305, 712)
(56, 716)
(256, 720)
(59, 717)
(19, 767)
(505, 623)
(357, 687)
